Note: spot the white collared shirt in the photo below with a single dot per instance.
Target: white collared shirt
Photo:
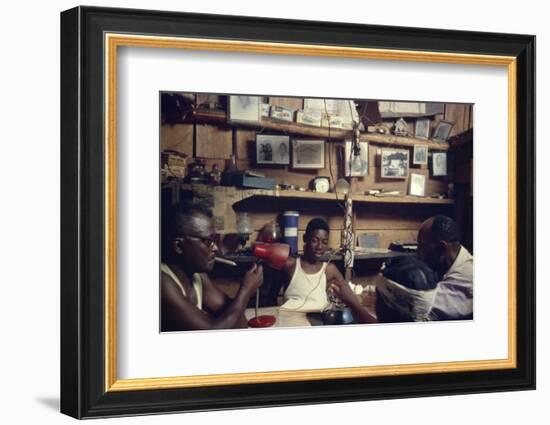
(455, 292)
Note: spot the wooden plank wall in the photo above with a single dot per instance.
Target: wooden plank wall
(389, 222)
(461, 115)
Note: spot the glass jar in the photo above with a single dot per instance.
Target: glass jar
(197, 171)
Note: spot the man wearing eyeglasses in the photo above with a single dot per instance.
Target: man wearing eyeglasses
(189, 299)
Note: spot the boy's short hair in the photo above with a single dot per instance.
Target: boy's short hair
(316, 224)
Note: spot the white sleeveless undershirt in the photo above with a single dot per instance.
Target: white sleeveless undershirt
(306, 292)
(197, 283)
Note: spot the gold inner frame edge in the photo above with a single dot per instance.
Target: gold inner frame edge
(111, 43)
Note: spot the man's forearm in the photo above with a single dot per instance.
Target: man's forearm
(233, 315)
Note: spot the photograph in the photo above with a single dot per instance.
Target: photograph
(272, 149)
(442, 131)
(439, 164)
(422, 128)
(418, 185)
(245, 109)
(188, 243)
(276, 250)
(395, 163)
(420, 154)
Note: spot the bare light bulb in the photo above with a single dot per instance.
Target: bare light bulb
(357, 164)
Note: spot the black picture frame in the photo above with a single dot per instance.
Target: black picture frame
(83, 266)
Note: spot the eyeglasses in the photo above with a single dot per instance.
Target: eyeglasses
(207, 242)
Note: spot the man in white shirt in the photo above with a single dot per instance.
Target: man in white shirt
(439, 246)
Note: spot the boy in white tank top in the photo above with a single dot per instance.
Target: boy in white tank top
(308, 275)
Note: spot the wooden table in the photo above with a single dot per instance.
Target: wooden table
(287, 319)
(284, 318)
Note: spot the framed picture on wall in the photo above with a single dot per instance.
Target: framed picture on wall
(394, 163)
(420, 154)
(115, 62)
(308, 153)
(272, 149)
(439, 164)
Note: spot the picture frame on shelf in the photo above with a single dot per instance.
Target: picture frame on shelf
(244, 109)
(442, 131)
(104, 374)
(417, 185)
(422, 128)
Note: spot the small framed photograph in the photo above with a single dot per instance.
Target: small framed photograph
(422, 128)
(272, 149)
(308, 118)
(356, 165)
(418, 185)
(308, 154)
(395, 163)
(442, 131)
(244, 109)
(420, 154)
(281, 113)
(439, 164)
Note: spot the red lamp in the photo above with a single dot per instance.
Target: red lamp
(274, 255)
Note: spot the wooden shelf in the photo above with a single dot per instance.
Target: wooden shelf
(409, 142)
(296, 194)
(220, 118)
(358, 256)
(357, 197)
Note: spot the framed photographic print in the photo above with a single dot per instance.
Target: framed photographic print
(395, 163)
(114, 359)
(420, 154)
(308, 153)
(281, 113)
(245, 109)
(418, 185)
(422, 128)
(439, 164)
(272, 149)
(442, 131)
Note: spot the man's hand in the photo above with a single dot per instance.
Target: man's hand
(343, 291)
(253, 278)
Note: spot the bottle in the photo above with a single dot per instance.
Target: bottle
(215, 175)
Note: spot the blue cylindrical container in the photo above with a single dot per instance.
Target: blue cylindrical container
(290, 232)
